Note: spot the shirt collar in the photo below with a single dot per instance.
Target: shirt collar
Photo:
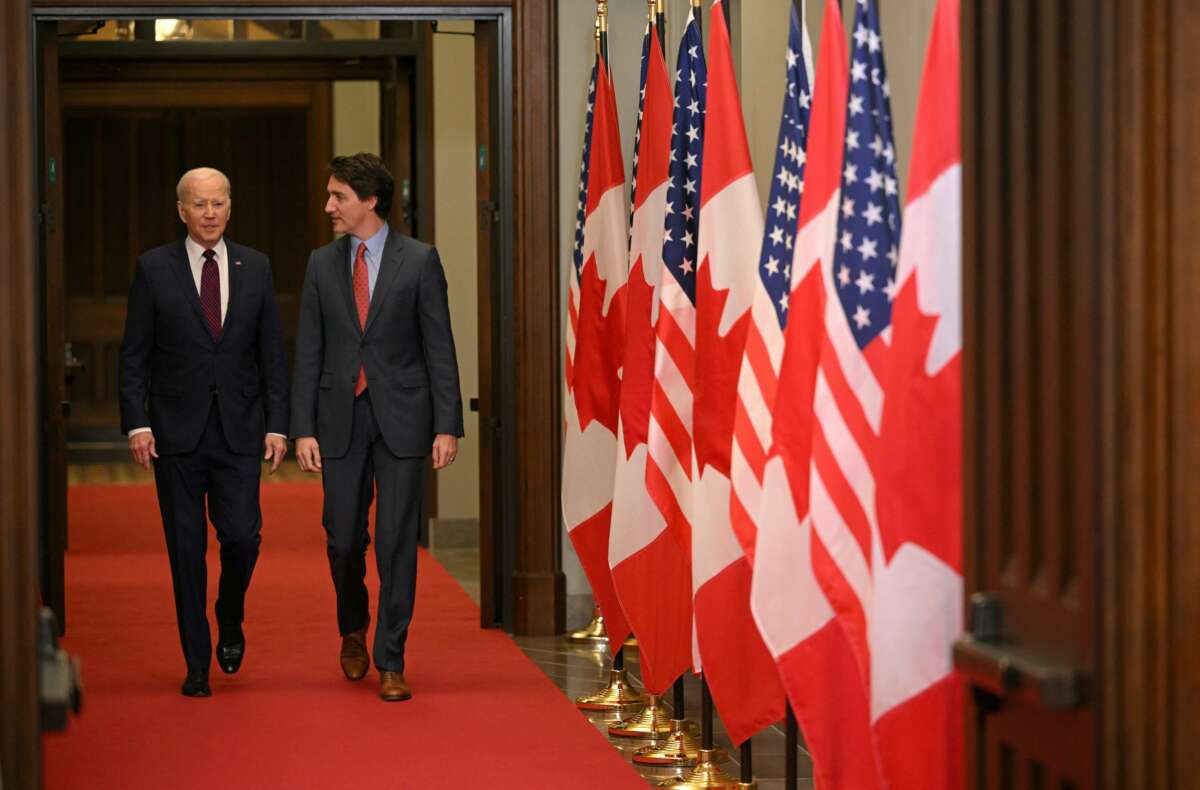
(374, 244)
(195, 252)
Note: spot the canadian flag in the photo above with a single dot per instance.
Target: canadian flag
(739, 670)
(595, 335)
(916, 698)
(649, 570)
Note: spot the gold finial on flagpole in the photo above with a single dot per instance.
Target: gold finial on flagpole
(650, 10)
(602, 15)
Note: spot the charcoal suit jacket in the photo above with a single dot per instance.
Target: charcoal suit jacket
(406, 350)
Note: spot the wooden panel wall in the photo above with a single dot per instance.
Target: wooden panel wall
(123, 154)
(19, 415)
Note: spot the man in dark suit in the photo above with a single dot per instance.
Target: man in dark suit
(375, 393)
(202, 381)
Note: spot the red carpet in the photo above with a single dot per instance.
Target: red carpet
(482, 715)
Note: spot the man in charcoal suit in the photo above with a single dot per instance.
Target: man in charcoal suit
(375, 393)
(204, 389)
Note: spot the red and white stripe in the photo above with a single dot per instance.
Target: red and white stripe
(739, 670)
(594, 356)
(799, 588)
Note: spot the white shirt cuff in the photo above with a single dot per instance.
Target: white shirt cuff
(280, 435)
(136, 431)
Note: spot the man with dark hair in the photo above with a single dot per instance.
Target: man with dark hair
(375, 393)
(202, 381)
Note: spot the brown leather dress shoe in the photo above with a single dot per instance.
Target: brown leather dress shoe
(355, 661)
(393, 687)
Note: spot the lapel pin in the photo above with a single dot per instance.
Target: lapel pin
(237, 263)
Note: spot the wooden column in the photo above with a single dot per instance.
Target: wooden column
(539, 587)
(19, 414)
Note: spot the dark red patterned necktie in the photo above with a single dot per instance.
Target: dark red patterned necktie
(210, 294)
(362, 300)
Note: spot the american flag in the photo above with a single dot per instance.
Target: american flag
(848, 401)
(867, 251)
(759, 375)
(669, 462)
(580, 215)
(802, 602)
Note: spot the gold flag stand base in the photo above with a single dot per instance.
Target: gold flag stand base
(654, 722)
(618, 696)
(679, 750)
(594, 633)
(706, 774)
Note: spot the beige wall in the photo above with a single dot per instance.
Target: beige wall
(355, 118)
(454, 229)
(759, 39)
(356, 128)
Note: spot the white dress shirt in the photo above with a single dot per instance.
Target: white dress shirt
(195, 255)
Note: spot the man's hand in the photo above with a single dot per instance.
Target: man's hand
(308, 454)
(142, 446)
(445, 448)
(274, 449)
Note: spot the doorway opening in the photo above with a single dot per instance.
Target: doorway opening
(128, 104)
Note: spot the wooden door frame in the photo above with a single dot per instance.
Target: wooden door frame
(528, 231)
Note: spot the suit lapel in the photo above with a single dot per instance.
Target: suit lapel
(344, 279)
(183, 268)
(233, 261)
(389, 267)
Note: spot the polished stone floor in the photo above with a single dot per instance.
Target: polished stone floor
(581, 670)
(576, 670)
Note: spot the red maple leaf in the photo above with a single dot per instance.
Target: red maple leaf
(718, 360)
(598, 344)
(637, 376)
(920, 464)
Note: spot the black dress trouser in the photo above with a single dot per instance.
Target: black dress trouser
(350, 483)
(230, 483)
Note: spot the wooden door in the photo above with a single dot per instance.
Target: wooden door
(491, 569)
(57, 372)
(1081, 393)
(125, 146)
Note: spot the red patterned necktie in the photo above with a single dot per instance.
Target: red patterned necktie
(210, 294)
(362, 299)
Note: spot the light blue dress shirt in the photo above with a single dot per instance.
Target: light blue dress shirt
(375, 246)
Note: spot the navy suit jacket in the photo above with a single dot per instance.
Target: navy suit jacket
(170, 368)
(406, 349)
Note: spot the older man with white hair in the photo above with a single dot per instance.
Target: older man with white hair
(204, 390)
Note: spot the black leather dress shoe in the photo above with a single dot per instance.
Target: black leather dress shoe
(231, 648)
(196, 684)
